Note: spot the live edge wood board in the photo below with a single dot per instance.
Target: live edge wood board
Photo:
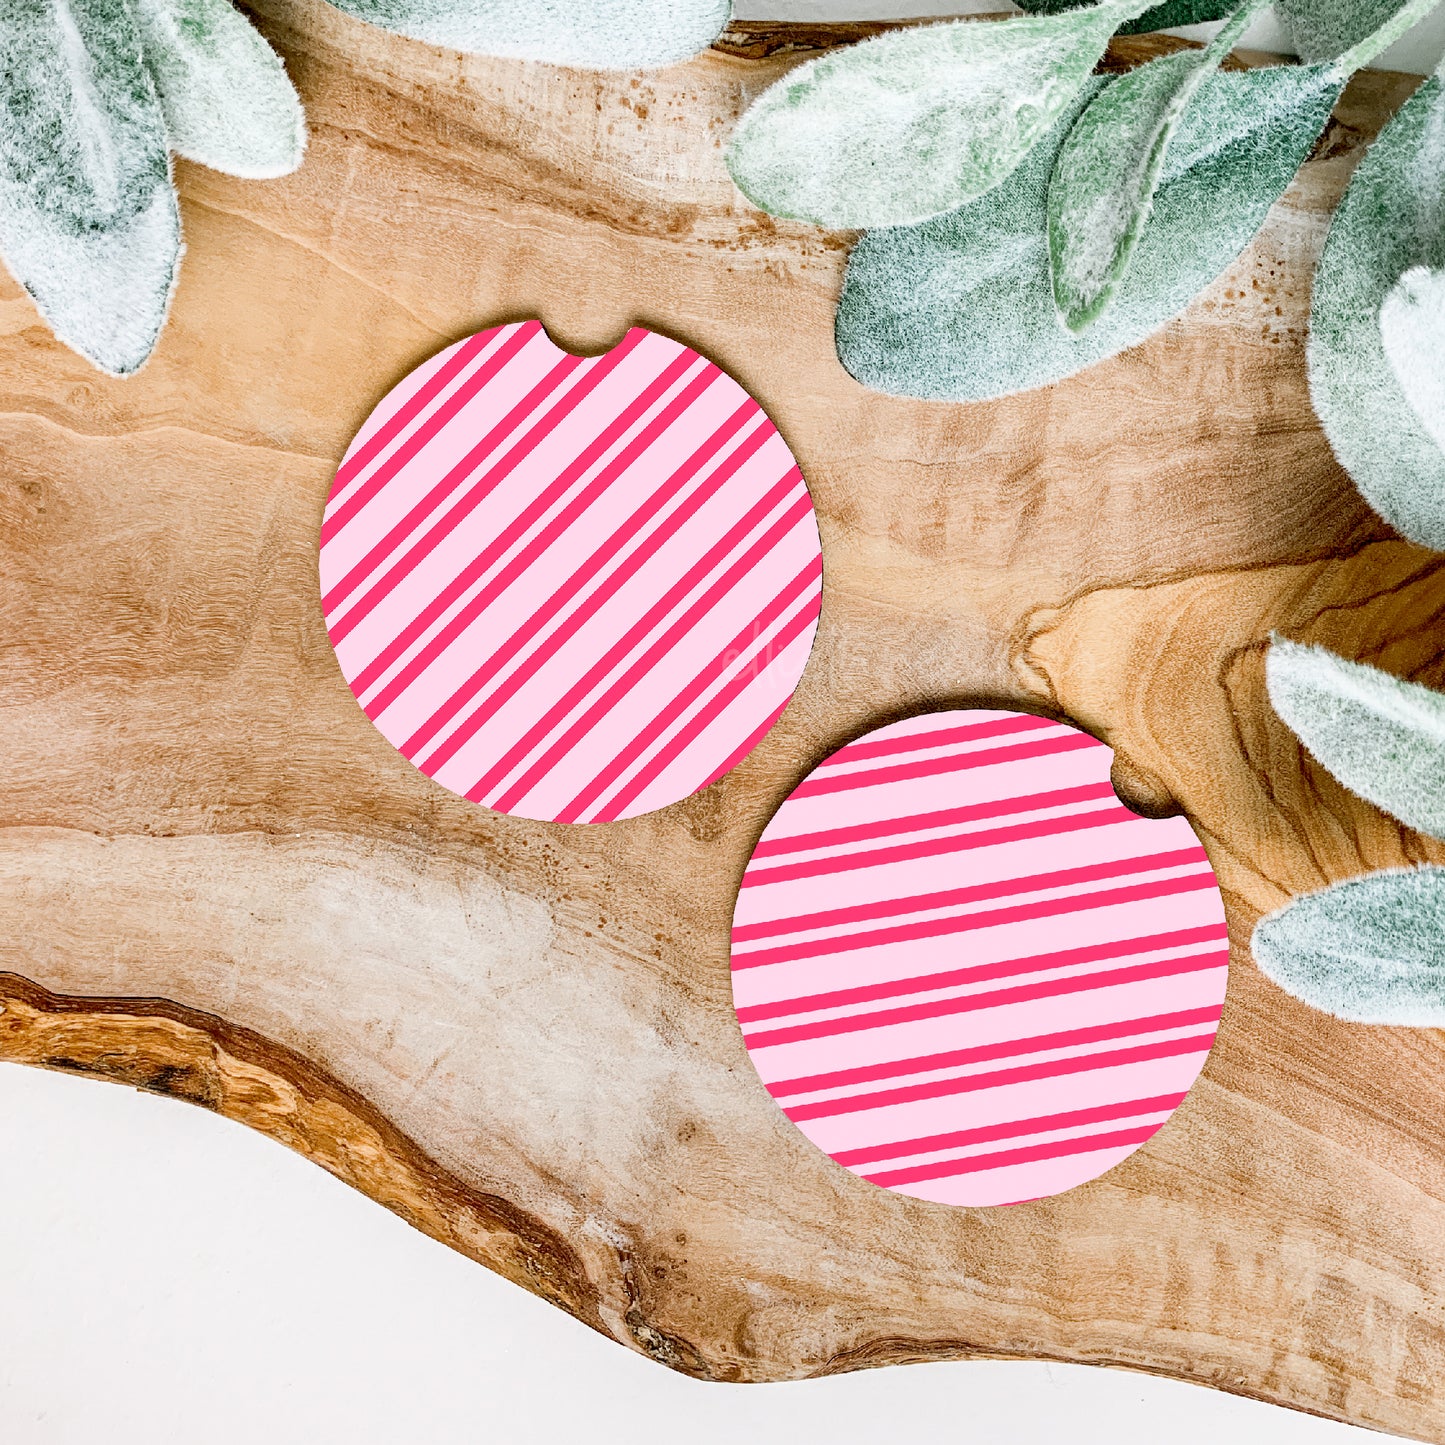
(217, 881)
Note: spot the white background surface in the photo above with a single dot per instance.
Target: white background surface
(168, 1276)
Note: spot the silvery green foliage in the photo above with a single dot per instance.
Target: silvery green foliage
(1103, 183)
(1412, 329)
(1168, 16)
(1384, 739)
(1371, 950)
(1323, 29)
(592, 34)
(918, 121)
(961, 307)
(88, 219)
(1391, 221)
(224, 92)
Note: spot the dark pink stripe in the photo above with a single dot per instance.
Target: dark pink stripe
(740, 753)
(994, 998)
(804, 618)
(598, 371)
(494, 364)
(954, 763)
(1001, 1078)
(514, 530)
(972, 893)
(659, 649)
(465, 353)
(982, 973)
(1004, 1159)
(940, 737)
(946, 817)
(473, 498)
(668, 715)
(968, 922)
(643, 553)
(1012, 1129)
(985, 1053)
(933, 847)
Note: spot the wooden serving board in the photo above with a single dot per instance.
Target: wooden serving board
(219, 882)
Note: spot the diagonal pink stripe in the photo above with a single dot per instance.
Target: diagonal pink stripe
(931, 767)
(804, 618)
(680, 701)
(984, 1053)
(994, 998)
(753, 739)
(657, 499)
(516, 529)
(941, 927)
(941, 737)
(1011, 1129)
(982, 973)
(945, 817)
(973, 893)
(934, 847)
(659, 649)
(598, 371)
(434, 423)
(1000, 1078)
(417, 403)
(475, 495)
(1030, 1154)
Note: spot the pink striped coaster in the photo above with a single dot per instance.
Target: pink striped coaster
(570, 588)
(965, 970)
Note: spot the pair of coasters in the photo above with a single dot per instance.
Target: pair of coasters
(579, 589)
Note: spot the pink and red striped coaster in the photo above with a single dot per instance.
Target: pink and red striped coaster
(570, 588)
(965, 970)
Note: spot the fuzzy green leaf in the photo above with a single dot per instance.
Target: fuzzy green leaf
(1324, 29)
(1412, 329)
(1168, 16)
(1371, 950)
(915, 122)
(1103, 183)
(961, 307)
(225, 95)
(1391, 220)
(88, 219)
(1384, 739)
(600, 35)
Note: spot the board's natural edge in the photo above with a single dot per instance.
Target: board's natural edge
(164, 1048)
(180, 1053)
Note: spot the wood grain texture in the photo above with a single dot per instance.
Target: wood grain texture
(219, 882)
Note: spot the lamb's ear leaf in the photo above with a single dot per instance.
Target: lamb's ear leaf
(1168, 16)
(1384, 739)
(1103, 183)
(601, 35)
(1412, 329)
(1354, 31)
(962, 308)
(1392, 220)
(1371, 950)
(88, 218)
(225, 95)
(918, 121)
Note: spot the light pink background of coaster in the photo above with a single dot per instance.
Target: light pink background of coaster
(965, 970)
(575, 589)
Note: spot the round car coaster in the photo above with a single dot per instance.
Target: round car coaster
(570, 588)
(965, 970)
